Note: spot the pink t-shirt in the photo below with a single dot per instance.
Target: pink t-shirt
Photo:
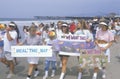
(105, 35)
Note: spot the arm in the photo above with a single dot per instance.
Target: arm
(90, 37)
(109, 45)
(9, 36)
(23, 42)
(103, 48)
(96, 42)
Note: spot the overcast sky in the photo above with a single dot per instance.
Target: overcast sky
(30, 8)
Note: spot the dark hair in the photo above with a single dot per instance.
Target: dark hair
(67, 29)
(17, 30)
(26, 28)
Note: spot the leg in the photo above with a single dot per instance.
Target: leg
(2, 57)
(53, 63)
(107, 53)
(60, 61)
(104, 71)
(15, 61)
(96, 69)
(47, 64)
(36, 72)
(64, 64)
(4, 61)
(10, 62)
(11, 68)
(30, 69)
(80, 73)
(33, 61)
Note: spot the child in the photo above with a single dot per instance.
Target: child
(31, 40)
(51, 60)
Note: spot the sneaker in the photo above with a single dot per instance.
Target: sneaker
(10, 75)
(94, 77)
(28, 78)
(44, 77)
(103, 76)
(36, 73)
(62, 76)
(79, 75)
(52, 75)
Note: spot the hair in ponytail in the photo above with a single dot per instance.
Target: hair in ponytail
(17, 30)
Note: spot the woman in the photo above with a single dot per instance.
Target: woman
(82, 29)
(32, 39)
(10, 38)
(18, 38)
(64, 58)
(104, 40)
(58, 28)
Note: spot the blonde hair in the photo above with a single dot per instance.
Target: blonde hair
(32, 28)
(82, 24)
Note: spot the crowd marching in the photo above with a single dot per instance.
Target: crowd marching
(104, 32)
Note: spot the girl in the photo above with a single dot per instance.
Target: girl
(32, 39)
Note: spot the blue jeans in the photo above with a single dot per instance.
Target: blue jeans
(47, 65)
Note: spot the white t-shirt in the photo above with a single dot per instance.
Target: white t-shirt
(7, 43)
(62, 34)
(54, 45)
(85, 32)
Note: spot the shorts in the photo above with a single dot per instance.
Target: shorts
(8, 56)
(33, 60)
(1, 43)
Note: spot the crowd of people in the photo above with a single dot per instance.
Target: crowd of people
(104, 32)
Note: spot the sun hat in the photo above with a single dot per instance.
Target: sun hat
(12, 25)
(103, 23)
(64, 24)
(95, 19)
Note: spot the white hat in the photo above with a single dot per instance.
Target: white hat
(13, 25)
(64, 25)
(103, 23)
(51, 29)
(95, 19)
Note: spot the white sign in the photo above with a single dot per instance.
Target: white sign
(74, 38)
(31, 51)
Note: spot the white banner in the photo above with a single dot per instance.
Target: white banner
(31, 51)
(72, 44)
(74, 38)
